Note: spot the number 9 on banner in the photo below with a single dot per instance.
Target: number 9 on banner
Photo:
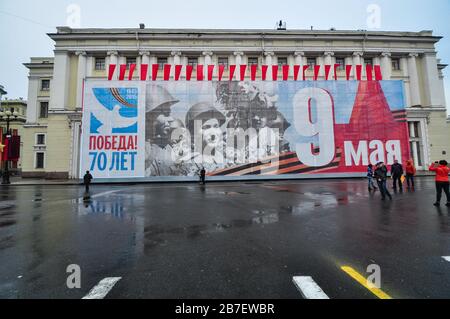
(315, 129)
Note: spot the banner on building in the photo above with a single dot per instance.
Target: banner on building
(249, 128)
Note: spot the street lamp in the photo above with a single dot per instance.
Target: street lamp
(7, 116)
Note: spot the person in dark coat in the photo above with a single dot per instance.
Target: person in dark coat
(381, 177)
(87, 179)
(202, 176)
(370, 178)
(396, 173)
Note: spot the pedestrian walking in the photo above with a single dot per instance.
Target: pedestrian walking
(410, 170)
(370, 178)
(202, 176)
(442, 183)
(381, 177)
(87, 179)
(396, 173)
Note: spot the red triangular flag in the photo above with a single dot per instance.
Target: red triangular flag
(221, 70)
(378, 74)
(336, 66)
(264, 72)
(369, 70)
(348, 71)
(316, 71)
(274, 72)
(210, 72)
(242, 71)
(112, 68)
(232, 69)
(296, 70)
(144, 71)
(122, 70)
(131, 72)
(155, 68)
(327, 71)
(305, 67)
(178, 68)
(189, 69)
(253, 70)
(358, 72)
(167, 68)
(285, 72)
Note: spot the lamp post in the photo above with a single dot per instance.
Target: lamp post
(7, 116)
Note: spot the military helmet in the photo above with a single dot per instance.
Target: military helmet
(158, 97)
(203, 111)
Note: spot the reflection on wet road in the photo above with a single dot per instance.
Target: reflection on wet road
(225, 240)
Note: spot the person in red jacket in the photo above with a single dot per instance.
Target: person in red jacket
(442, 184)
(410, 172)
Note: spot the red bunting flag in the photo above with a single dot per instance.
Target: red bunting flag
(144, 71)
(358, 72)
(253, 70)
(348, 71)
(210, 72)
(336, 66)
(305, 67)
(221, 70)
(178, 68)
(243, 68)
(122, 70)
(199, 72)
(296, 70)
(131, 72)
(274, 72)
(232, 69)
(369, 71)
(167, 68)
(327, 71)
(189, 69)
(155, 68)
(264, 72)
(378, 75)
(316, 72)
(285, 69)
(112, 68)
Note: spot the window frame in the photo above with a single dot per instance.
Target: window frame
(96, 61)
(42, 85)
(36, 160)
(36, 139)
(40, 110)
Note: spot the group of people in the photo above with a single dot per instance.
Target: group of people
(399, 175)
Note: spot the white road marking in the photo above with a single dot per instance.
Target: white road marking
(446, 258)
(100, 194)
(102, 288)
(308, 288)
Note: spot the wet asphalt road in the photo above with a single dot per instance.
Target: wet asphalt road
(228, 240)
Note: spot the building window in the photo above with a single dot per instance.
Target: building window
(282, 61)
(194, 61)
(162, 62)
(252, 61)
(130, 61)
(43, 111)
(395, 64)
(311, 62)
(341, 62)
(45, 85)
(100, 64)
(223, 61)
(39, 160)
(368, 61)
(40, 139)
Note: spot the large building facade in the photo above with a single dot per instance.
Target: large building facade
(52, 133)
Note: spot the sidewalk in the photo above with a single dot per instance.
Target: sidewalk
(42, 181)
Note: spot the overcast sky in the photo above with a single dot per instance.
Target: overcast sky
(24, 23)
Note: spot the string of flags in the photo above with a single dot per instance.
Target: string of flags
(372, 72)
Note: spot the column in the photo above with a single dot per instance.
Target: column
(176, 55)
(386, 65)
(357, 60)
(81, 75)
(413, 79)
(208, 61)
(32, 102)
(269, 61)
(328, 60)
(432, 83)
(113, 58)
(299, 58)
(238, 58)
(59, 87)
